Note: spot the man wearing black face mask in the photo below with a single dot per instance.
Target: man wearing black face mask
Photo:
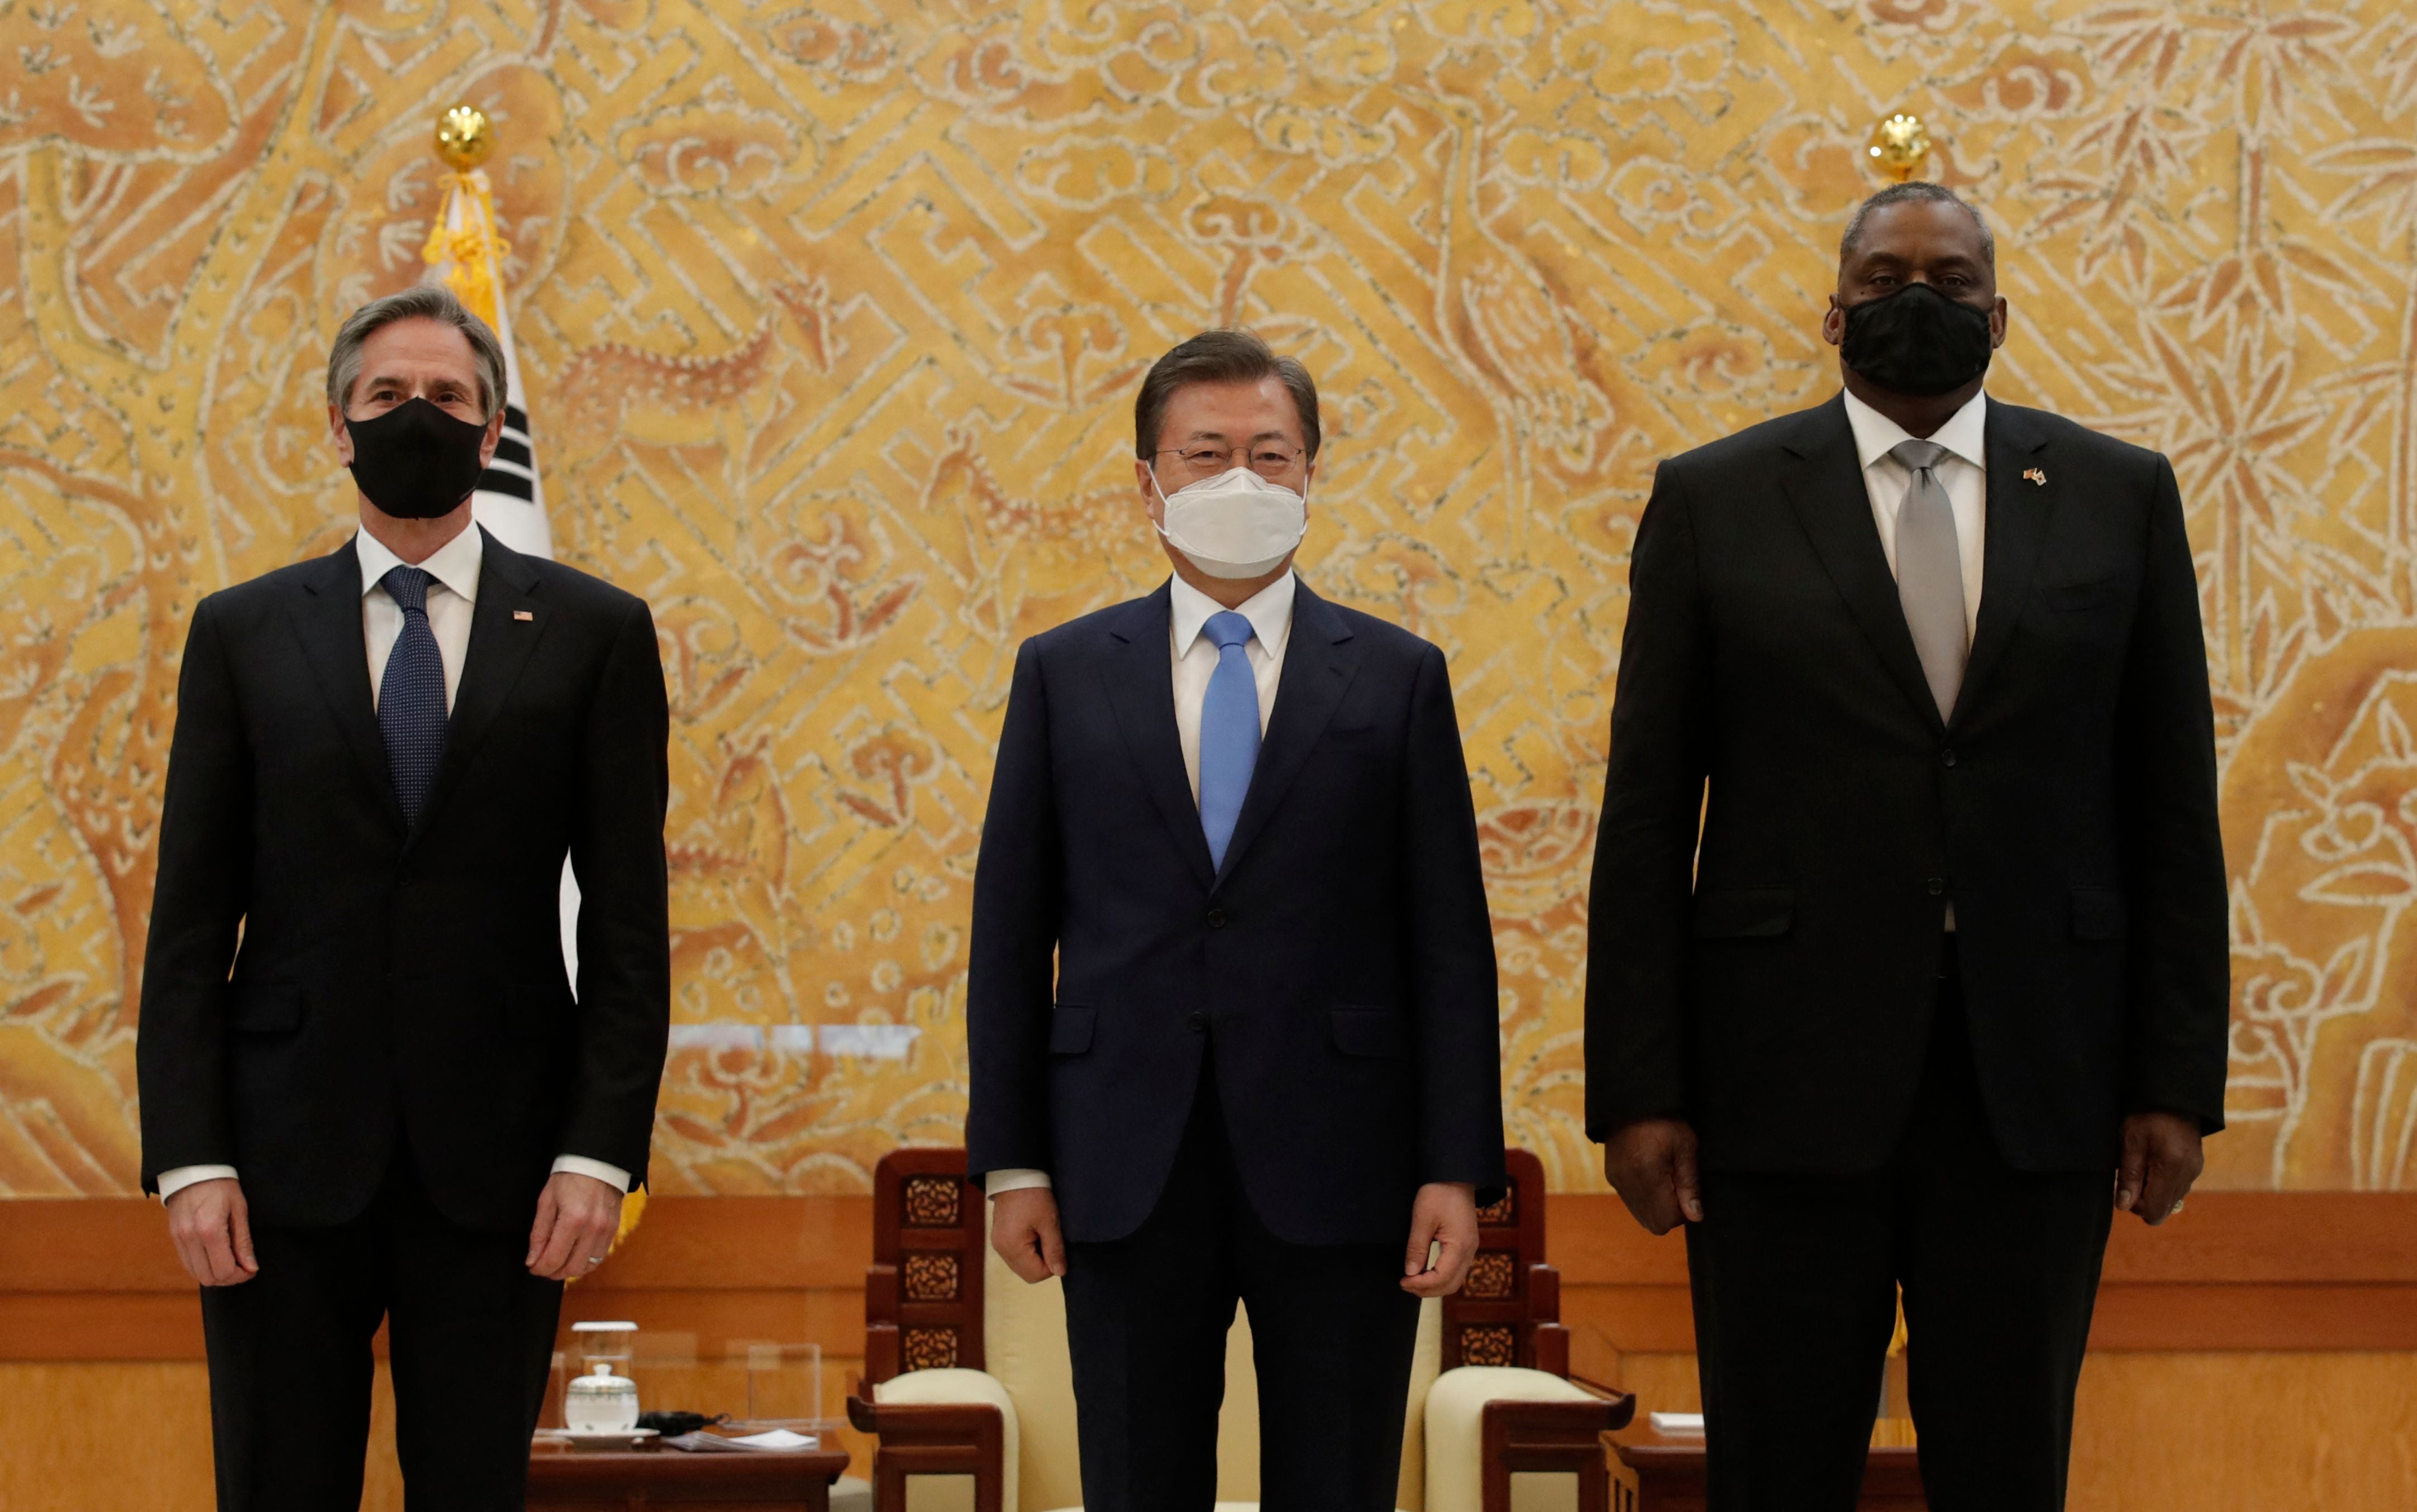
(386, 1104)
(1909, 957)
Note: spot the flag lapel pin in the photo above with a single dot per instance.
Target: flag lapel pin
(2037, 475)
(523, 615)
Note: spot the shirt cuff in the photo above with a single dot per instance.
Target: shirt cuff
(173, 1182)
(579, 1165)
(1013, 1180)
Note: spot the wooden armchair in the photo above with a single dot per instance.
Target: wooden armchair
(967, 1374)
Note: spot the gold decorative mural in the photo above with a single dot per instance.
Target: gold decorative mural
(831, 316)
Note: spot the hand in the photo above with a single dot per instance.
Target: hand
(211, 1229)
(1651, 1164)
(2161, 1158)
(577, 1218)
(1023, 1230)
(1444, 1214)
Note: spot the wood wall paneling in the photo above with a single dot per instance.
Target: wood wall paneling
(2261, 1342)
(2236, 1271)
(94, 1279)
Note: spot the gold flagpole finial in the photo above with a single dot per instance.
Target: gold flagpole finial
(1900, 145)
(464, 137)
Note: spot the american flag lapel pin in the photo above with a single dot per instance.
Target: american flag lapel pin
(525, 613)
(2036, 476)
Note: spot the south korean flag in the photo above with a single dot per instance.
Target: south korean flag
(509, 500)
(465, 253)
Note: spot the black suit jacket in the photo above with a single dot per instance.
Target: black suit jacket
(1339, 969)
(1775, 983)
(407, 983)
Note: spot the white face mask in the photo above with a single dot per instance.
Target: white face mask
(1236, 524)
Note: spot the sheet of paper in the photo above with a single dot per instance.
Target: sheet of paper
(779, 1437)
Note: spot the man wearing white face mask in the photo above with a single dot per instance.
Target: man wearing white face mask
(1231, 1008)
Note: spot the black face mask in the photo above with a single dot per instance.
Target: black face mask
(1917, 340)
(415, 462)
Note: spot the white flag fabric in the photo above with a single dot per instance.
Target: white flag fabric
(465, 253)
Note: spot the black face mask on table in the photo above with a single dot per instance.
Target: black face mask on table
(1917, 340)
(415, 462)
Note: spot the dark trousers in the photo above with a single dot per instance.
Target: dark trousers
(1332, 1334)
(1795, 1285)
(470, 1337)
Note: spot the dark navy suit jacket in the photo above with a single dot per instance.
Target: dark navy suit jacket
(1339, 969)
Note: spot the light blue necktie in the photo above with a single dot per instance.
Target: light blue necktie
(1230, 732)
(411, 695)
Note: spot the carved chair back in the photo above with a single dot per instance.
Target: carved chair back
(924, 1290)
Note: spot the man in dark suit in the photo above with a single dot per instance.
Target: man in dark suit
(386, 1101)
(1232, 1007)
(1943, 983)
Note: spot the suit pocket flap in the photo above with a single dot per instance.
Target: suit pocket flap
(1069, 1029)
(267, 1009)
(1755, 913)
(1373, 1032)
(2097, 913)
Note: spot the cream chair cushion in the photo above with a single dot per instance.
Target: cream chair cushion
(956, 1388)
(1024, 1344)
(1455, 1409)
(1238, 1423)
(1426, 1359)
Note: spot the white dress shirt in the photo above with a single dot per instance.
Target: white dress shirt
(1270, 612)
(453, 600)
(1964, 473)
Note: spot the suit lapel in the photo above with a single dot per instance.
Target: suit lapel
(1139, 677)
(500, 645)
(2015, 529)
(1835, 508)
(328, 620)
(1318, 671)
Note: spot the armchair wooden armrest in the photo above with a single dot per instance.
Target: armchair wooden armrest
(930, 1439)
(1624, 1400)
(1552, 1436)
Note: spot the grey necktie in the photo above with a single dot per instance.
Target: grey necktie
(1930, 573)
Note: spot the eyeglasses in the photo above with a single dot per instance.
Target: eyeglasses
(1269, 458)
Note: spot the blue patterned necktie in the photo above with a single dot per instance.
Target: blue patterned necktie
(411, 695)
(1230, 732)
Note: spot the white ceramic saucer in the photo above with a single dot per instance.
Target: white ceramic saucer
(603, 1438)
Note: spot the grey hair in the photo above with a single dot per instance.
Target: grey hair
(1220, 357)
(421, 301)
(1915, 192)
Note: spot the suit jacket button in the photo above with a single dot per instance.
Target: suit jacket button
(1217, 919)
(1935, 886)
(1946, 757)
(1196, 1021)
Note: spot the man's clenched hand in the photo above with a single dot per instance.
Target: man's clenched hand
(1023, 1230)
(1651, 1164)
(2161, 1158)
(1444, 1219)
(211, 1229)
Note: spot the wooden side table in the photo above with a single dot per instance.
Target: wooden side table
(563, 1479)
(1670, 1475)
